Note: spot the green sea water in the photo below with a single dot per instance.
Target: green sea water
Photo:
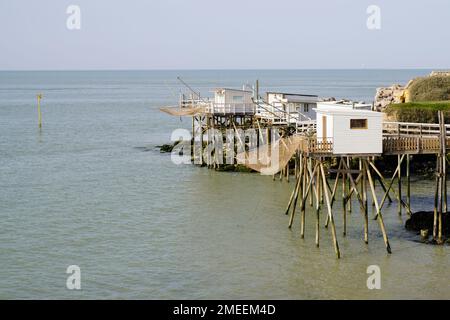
(90, 189)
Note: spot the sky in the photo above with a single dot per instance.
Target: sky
(231, 34)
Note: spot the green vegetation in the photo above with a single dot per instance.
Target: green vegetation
(424, 112)
(435, 88)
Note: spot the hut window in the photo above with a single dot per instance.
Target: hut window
(306, 108)
(358, 123)
(238, 99)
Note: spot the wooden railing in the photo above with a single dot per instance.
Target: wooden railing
(231, 108)
(422, 144)
(306, 126)
(413, 129)
(320, 146)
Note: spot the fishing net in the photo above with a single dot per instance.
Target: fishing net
(173, 111)
(269, 159)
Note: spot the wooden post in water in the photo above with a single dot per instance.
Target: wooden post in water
(444, 159)
(364, 198)
(287, 172)
(311, 195)
(379, 215)
(330, 213)
(442, 169)
(297, 191)
(318, 183)
(344, 203)
(349, 201)
(436, 198)
(39, 97)
(399, 185)
(408, 183)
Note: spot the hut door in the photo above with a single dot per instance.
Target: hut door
(324, 128)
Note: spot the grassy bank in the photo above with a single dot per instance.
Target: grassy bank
(424, 112)
(435, 88)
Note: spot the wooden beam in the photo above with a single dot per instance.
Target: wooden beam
(377, 207)
(330, 214)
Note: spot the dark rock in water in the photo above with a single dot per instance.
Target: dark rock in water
(424, 220)
(234, 168)
(165, 148)
(226, 168)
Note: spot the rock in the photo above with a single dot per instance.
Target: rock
(234, 168)
(388, 95)
(424, 220)
(424, 234)
(165, 148)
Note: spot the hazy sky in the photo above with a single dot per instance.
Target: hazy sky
(231, 34)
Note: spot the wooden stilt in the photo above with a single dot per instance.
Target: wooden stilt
(330, 213)
(389, 187)
(364, 197)
(344, 205)
(333, 193)
(304, 191)
(399, 177)
(349, 201)
(294, 192)
(317, 209)
(311, 196)
(408, 183)
(380, 216)
(297, 192)
(436, 197)
(354, 189)
(380, 179)
(442, 169)
(440, 201)
(312, 188)
(444, 178)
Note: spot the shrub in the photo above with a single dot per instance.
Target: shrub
(434, 88)
(422, 112)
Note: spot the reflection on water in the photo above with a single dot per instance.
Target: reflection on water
(83, 192)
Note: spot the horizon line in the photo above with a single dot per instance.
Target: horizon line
(225, 69)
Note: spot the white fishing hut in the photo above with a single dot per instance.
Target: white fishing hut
(349, 130)
(232, 101)
(290, 107)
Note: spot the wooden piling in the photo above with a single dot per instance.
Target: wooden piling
(379, 215)
(39, 97)
(330, 213)
(317, 209)
(364, 198)
(349, 201)
(399, 177)
(408, 183)
(344, 205)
